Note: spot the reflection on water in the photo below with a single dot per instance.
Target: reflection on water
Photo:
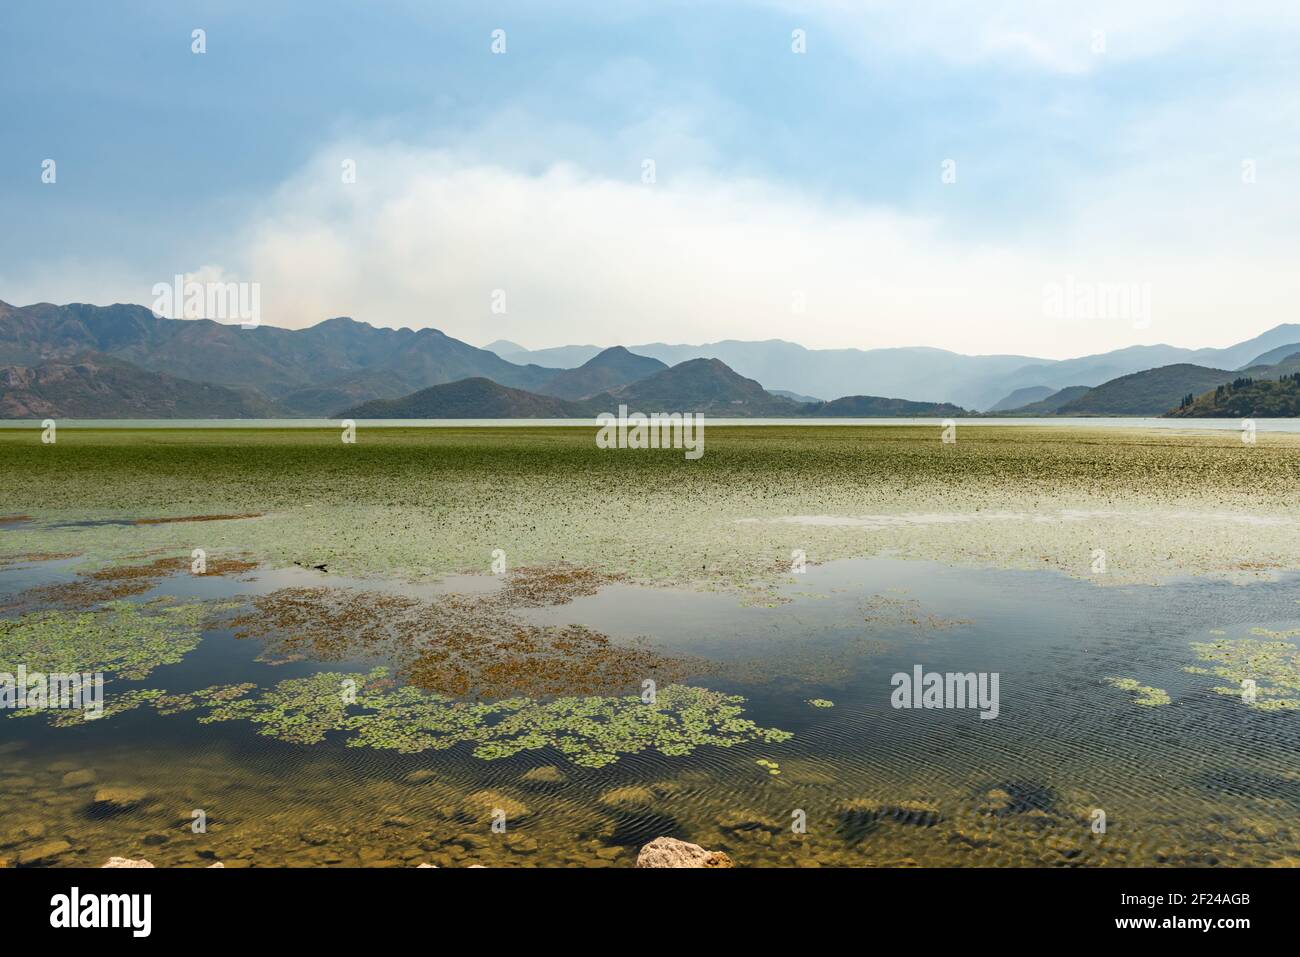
(1202, 780)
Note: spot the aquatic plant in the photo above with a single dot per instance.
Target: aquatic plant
(114, 704)
(589, 731)
(123, 638)
(1274, 666)
(457, 645)
(189, 701)
(299, 710)
(550, 493)
(821, 702)
(1147, 696)
(558, 584)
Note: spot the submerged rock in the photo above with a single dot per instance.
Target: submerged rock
(670, 852)
(628, 797)
(748, 820)
(76, 779)
(120, 798)
(482, 806)
(127, 862)
(43, 852)
(548, 774)
(866, 811)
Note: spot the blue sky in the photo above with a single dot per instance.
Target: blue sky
(779, 177)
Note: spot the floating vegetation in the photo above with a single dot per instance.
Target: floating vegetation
(196, 518)
(32, 558)
(123, 638)
(215, 695)
(298, 710)
(821, 702)
(772, 767)
(1274, 667)
(589, 731)
(884, 611)
(551, 493)
(457, 645)
(559, 584)
(114, 704)
(1147, 696)
(120, 581)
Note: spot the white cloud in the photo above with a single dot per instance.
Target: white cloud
(425, 238)
(1051, 35)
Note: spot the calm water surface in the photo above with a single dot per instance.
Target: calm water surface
(1203, 780)
(1117, 422)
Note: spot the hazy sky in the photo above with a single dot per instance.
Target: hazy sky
(1149, 147)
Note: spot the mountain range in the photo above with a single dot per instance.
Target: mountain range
(932, 375)
(697, 385)
(90, 361)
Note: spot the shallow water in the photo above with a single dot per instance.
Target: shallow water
(1203, 780)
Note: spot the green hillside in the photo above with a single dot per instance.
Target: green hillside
(1245, 397)
(1153, 392)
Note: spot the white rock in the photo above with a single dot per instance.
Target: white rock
(670, 852)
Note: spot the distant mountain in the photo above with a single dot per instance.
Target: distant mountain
(1288, 365)
(1274, 356)
(505, 348)
(1022, 397)
(925, 374)
(795, 396)
(93, 386)
(558, 357)
(476, 398)
(697, 385)
(920, 374)
(1053, 402)
(335, 358)
(1153, 392)
(343, 363)
(603, 372)
(873, 406)
(1246, 397)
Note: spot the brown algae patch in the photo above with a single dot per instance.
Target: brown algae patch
(196, 518)
(35, 558)
(457, 645)
(120, 581)
(540, 585)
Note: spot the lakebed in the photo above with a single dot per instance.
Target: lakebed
(496, 600)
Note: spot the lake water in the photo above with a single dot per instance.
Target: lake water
(1117, 422)
(1205, 779)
